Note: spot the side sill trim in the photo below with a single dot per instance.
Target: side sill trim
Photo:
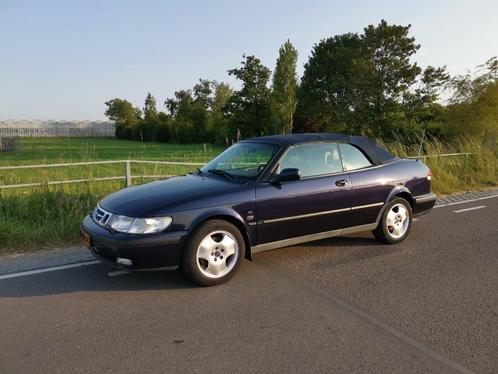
(321, 213)
(366, 206)
(312, 237)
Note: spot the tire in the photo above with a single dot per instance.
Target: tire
(392, 227)
(213, 253)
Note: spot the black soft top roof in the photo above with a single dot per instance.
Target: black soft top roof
(374, 152)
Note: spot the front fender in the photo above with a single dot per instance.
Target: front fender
(212, 213)
(228, 214)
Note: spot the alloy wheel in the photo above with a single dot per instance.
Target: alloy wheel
(398, 220)
(217, 254)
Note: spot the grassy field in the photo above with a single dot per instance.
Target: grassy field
(49, 216)
(68, 150)
(53, 150)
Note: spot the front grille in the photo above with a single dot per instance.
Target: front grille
(101, 216)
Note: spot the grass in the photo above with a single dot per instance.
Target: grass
(49, 216)
(54, 150)
(476, 171)
(68, 150)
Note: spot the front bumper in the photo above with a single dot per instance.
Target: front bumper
(147, 252)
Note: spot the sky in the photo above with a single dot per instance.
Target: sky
(63, 59)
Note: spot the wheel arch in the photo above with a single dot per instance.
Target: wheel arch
(230, 217)
(404, 193)
(397, 192)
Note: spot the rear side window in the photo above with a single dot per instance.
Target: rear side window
(313, 159)
(353, 158)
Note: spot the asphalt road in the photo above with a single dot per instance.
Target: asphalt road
(345, 304)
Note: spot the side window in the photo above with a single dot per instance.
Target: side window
(353, 158)
(313, 159)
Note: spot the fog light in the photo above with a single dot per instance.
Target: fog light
(124, 261)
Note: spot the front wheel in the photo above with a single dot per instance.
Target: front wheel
(395, 223)
(213, 253)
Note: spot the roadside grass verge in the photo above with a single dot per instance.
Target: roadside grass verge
(478, 170)
(43, 219)
(49, 216)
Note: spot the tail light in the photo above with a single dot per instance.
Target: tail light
(429, 175)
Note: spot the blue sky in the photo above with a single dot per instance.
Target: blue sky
(64, 59)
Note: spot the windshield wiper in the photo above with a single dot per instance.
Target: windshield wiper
(221, 172)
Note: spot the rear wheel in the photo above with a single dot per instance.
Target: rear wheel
(395, 223)
(213, 253)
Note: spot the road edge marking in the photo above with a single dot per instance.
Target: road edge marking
(49, 269)
(465, 201)
(468, 209)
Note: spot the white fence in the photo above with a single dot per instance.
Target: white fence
(36, 128)
(127, 177)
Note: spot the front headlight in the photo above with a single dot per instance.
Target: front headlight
(139, 225)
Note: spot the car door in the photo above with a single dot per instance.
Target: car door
(370, 188)
(318, 202)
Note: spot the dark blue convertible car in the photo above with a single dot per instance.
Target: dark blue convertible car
(261, 193)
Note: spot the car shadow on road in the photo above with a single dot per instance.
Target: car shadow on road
(100, 277)
(336, 251)
(92, 278)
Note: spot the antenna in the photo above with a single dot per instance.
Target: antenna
(421, 143)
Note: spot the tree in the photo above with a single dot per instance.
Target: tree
(125, 116)
(284, 87)
(150, 109)
(122, 111)
(180, 109)
(217, 123)
(248, 110)
(420, 104)
(389, 49)
(367, 84)
(331, 96)
(473, 109)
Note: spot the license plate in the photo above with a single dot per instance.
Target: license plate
(86, 238)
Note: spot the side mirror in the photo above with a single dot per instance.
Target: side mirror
(290, 174)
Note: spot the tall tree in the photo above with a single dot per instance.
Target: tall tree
(180, 108)
(284, 88)
(150, 108)
(389, 50)
(218, 124)
(248, 110)
(367, 84)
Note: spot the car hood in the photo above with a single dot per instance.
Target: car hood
(187, 192)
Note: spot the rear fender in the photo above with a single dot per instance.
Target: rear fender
(398, 191)
(401, 191)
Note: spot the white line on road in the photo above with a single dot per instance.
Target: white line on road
(473, 208)
(46, 270)
(118, 272)
(466, 201)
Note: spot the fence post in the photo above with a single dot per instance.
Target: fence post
(128, 173)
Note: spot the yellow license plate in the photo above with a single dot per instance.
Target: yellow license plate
(86, 238)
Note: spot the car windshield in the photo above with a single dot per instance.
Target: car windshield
(246, 160)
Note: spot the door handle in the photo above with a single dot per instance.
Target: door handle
(341, 182)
